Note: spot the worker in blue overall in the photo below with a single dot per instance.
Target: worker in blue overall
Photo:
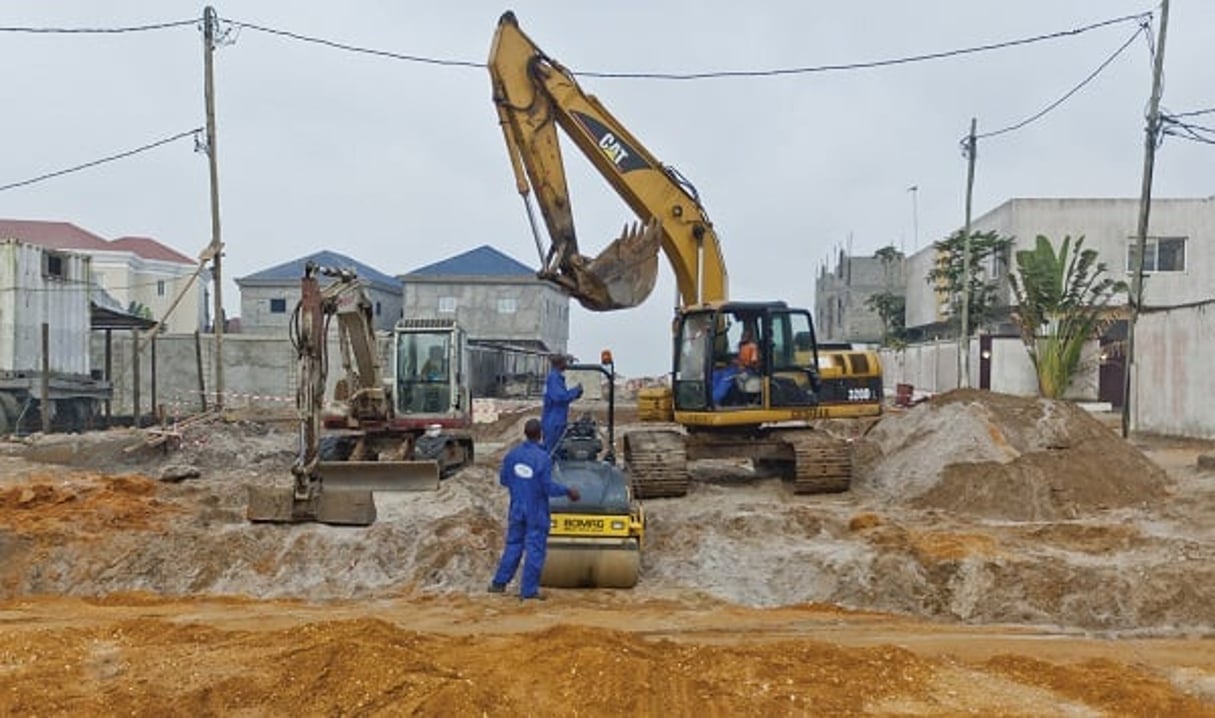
(557, 401)
(527, 471)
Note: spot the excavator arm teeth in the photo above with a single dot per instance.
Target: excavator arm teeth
(622, 275)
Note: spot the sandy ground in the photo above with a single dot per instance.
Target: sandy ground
(1038, 590)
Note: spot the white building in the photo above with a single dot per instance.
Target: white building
(1174, 337)
(141, 274)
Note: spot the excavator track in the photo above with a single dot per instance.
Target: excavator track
(657, 463)
(823, 462)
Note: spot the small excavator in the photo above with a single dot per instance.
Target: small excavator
(763, 411)
(401, 435)
(596, 541)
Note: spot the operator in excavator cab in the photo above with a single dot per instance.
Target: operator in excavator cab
(527, 471)
(433, 369)
(557, 399)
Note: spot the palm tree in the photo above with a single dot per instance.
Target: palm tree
(1063, 301)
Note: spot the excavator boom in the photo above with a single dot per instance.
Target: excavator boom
(534, 95)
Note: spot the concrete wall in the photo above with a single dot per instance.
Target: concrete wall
(493, 309)
(932, 367)
(28, 298)
(256, 317)
(260, 371)
(1173, 385)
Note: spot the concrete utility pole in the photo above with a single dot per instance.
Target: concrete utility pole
(210, 19)
(1152, 132)
(968, 149)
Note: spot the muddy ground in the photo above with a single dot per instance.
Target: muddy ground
(996, 555)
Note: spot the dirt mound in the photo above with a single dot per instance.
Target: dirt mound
(1004, 457)
(81, 506)
(389, 659)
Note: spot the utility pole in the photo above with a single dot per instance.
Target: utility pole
(1135, 299)
(210, 19)
(915, 216)
(969, 149)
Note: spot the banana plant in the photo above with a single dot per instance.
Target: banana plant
(1063, 301)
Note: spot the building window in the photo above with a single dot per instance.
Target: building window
(278, 306)
(1162, 254)
(447, 305)
(53, 266)
(377, 309)
(506, 306)
(160, 287)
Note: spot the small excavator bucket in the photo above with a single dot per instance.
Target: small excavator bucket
(339, 508)
(345, 495)
(379, 475)
(623, 274)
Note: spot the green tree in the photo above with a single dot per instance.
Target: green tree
(891, 309)
(139, 309)
(947, 273)
(1063, 301)
(890, 305)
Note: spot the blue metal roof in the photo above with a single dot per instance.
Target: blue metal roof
(293, 270)
(484, 261)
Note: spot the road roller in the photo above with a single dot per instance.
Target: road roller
(594, 542)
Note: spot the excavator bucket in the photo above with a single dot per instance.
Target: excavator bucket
(345, 496)
(339, 508)
(379, 475)
(623, 274)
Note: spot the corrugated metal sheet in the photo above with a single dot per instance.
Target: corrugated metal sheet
(37, 286)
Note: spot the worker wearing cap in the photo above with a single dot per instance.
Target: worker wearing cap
(557, 400)
(527, 471)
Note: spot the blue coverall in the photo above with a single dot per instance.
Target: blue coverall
(527, 471)
(556, 408)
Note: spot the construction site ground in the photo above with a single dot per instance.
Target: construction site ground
(996, 556)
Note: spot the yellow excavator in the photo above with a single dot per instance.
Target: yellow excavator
(756, 403)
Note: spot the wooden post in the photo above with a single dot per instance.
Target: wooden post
(210, 19)
(153, 404)
(202, 379)
(1145, 205)
(109, 374)
(46, 378)
(135, 376)
(964, 336)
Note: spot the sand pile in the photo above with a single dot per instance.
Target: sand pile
(1004, 457)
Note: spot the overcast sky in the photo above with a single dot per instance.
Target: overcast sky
(399, 164)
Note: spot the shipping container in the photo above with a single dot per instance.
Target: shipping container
(37, 286)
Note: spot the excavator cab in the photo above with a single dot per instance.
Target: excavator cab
(716, 370)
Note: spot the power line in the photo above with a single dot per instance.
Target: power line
(1193, 113)
(99, 30)
(355, 48)
(1138, 17)
(430, 60)
(1091, 76)
(103, 160)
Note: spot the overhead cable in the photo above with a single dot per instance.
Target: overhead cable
(718, 74)
(99, 30)
(121, 155)
(1091, 76)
